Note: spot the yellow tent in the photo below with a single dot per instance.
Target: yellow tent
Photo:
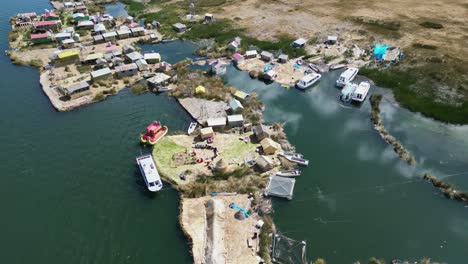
(200, 89)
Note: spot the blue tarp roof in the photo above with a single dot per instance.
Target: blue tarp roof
(379, 51)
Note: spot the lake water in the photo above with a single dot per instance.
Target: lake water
(71, 193)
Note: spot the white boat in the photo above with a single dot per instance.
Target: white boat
(336, 66)
(348, 91)
(314, 67)
(347, 76)
(149, 172)
(308, 80)
(290, 153)
(300, 161)
(289, 173)
(192, 127)
(164, 89)
(361, 92)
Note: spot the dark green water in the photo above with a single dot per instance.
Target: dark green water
(70, 192)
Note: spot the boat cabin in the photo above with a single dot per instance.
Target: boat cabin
(361, 92)
(347, 76)
(308, 80)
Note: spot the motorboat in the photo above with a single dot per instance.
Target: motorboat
(308, 80)
(347, 76)
(289, 173)
(192, 127)
(347, 91)
(361, 92)
(150, 173)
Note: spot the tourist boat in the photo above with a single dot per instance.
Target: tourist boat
(150, 173)
(361, 92)
(192, 127)
(289, 173)
(290, 153)
(347, 76)
(314, 67)
(336, 66)
(348, 91)
(308, 80)
(154, 132)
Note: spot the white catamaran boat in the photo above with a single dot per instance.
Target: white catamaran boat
(297, 160)
(361, 91)
(289, 173)
(149, 172)
(347, 76)
(192, 127)
(348, 91)
(308, 80)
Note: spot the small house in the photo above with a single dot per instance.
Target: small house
(158, 79)
(216, 122)
(206, 132)
(218, 67)
(68, 4)
(142, 65)
(238, 59)
(235, 105)
(59, 37)
(266, 56)
(68, 43)
(179, 27)
(99, 28)
(129, 19)
(80, 17)
(110, 36)
(76, 88)
(235, 120)
(152, 57)
(283, 58)
(98, 39)
(128, 49)
(281, 187)
(101, 63)
(261, 132)
(234, 45)
(85, 24)
(26, 16)
(124, 33)
(299, 43)
(137, 31)
(69, 56)
(269, 146)
(208, 18)
(126, 70)
(81, 8)
(133, 56)
(331, 40)
(101, 74)
(91, 58)
(265, 163)
(251, 54)
(241, 95)
(162, 67)
(48, 25)
(41, 38)
(50, 16)
(116, 61)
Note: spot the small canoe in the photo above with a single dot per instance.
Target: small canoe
(297, 160)
(336, 66)
(290, 153)
(289, 173)
(164, 89)
(192, 127)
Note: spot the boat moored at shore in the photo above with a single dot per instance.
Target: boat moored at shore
(150, 173)
(308, 80)
(347, 91)
(289, 173)
(360, 94)
(154, 132)
(347, 76)
(192, 127)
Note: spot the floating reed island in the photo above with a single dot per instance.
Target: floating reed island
(402, 152)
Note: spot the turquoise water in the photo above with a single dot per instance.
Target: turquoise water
(71, 193)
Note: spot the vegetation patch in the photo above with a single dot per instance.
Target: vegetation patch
(402, 81)
(99, 97)
(432, 25)
(449, 190)
(134, 8)
(139, 88)
(388, 28)
(266, 238)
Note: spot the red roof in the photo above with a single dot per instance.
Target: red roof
(46, 23)
(39, 36)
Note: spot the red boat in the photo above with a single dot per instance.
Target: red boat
(154, 132)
